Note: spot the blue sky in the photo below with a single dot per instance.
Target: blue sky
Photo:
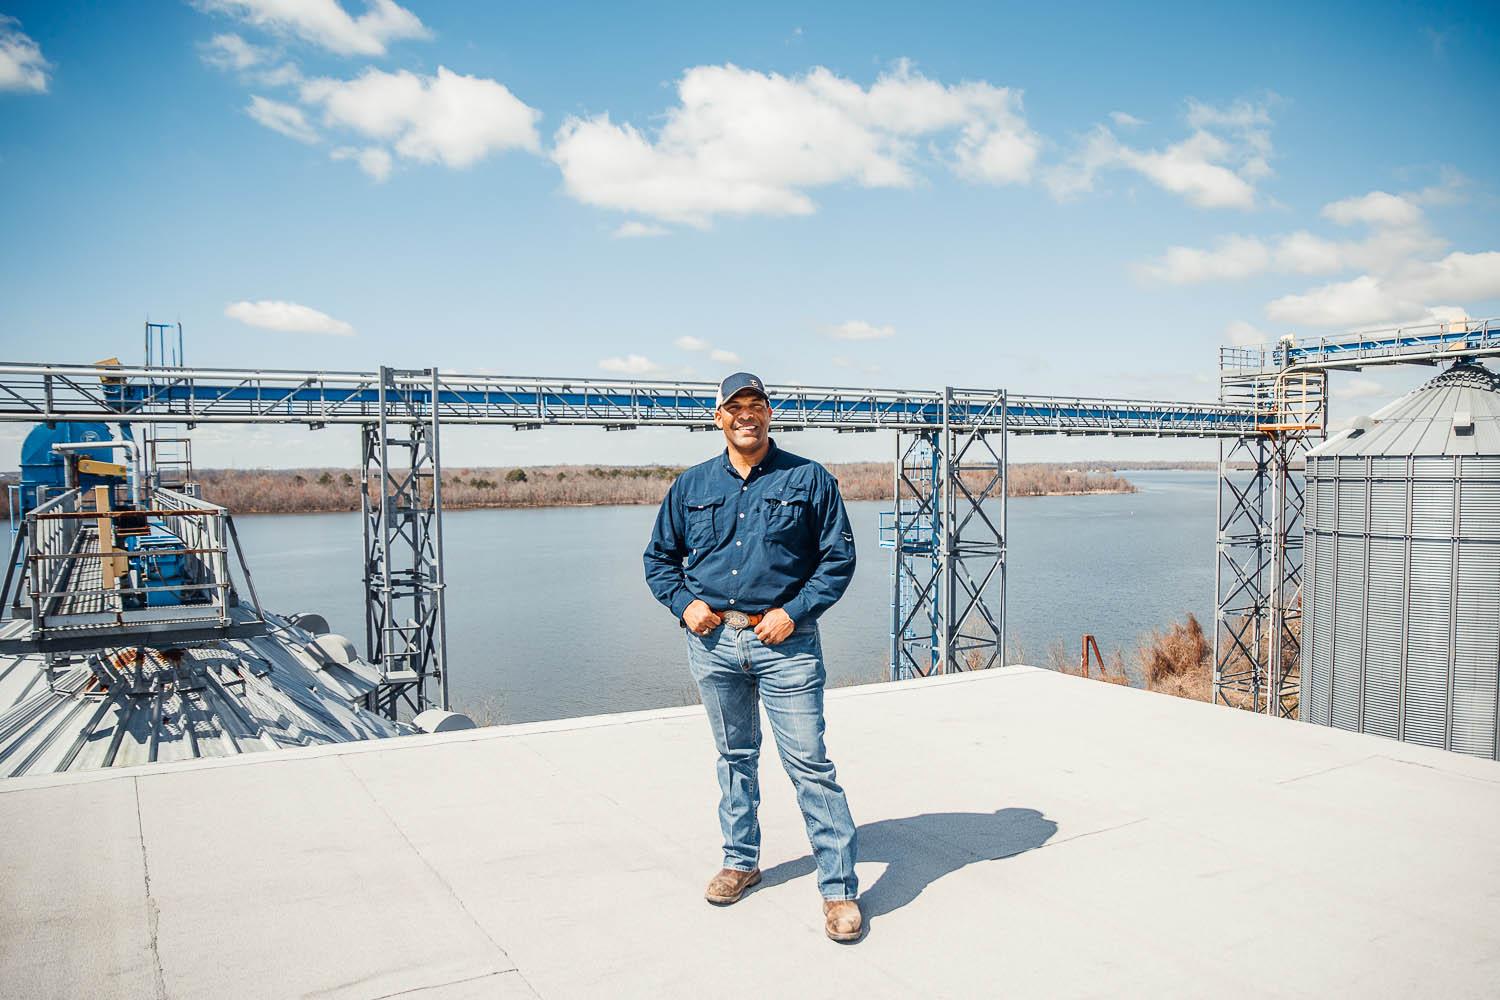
(1076, 199)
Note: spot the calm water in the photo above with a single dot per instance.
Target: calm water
(549, 617)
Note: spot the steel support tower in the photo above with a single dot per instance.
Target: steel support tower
(947, 534)
(401, 497)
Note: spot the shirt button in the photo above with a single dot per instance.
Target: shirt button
(738, 543)
(742, 515)
(731, 600)
(734, 572)
(744, 488)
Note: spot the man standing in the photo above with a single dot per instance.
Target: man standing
(749, 549)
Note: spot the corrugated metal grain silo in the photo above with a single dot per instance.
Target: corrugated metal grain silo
(1401, 589)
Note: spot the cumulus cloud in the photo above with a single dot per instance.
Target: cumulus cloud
(631, 364)
(449, 118)
(371, 159)
(1375, 209)
(1216, 166)
(1400, 279)
(690, 343)
(231, 53)
(326, 23)
(635, 229)
(723, 357)
(1234, 257)
(858, 329)
(287, 317)
(22, 67)
(1404, 294)
(287, 119)
(741, 142)
(1125, 119)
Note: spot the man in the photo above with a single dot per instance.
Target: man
(749, 549)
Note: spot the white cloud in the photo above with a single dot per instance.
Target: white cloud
(371, 159)
(858, 329)
(284, 118)
(635, 229)
(1401, 296)
(631, 364)
(723, 357)
(22, 67)
(326, 23)
(449, 118)
(1445, 314)
(1125, 119)
(1376, 209)
(1235, 257)
(689, 343)
(740, 142)
(1193, 169)
(230, 51)
(1216, 166)
(1242, 334)
(287, 317)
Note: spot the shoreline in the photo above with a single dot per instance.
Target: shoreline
(452, 508)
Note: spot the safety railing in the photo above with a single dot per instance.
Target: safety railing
(97, 573)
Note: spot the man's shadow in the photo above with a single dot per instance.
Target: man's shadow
(919, 850)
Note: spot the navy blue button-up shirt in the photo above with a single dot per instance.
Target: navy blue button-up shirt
(779, 538)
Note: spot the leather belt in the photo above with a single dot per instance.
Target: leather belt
(738, 620)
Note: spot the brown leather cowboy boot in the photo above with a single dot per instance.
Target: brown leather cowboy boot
(729, 885)
(842, 920)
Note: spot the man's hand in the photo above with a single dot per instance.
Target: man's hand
(700, 618)
(774, 627)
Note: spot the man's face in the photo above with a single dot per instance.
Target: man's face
(745, 419)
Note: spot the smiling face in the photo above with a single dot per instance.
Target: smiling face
(745, 419)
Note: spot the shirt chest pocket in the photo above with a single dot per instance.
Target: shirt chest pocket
(786, 512)
(702, 515)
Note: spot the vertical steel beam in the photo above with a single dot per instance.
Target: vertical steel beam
(405, 614)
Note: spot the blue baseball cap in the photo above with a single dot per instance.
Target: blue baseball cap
(739, 382)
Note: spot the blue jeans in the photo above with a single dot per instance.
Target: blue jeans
(735, 671)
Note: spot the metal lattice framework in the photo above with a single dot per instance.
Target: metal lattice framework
(1258, 572)
(401, 498)
(947, 534)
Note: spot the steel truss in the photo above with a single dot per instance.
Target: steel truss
(1258, 569)
(192, 396)
(401, 499)
(948, 537)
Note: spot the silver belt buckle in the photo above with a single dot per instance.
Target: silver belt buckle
(737, 620)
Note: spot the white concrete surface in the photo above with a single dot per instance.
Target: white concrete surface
(1022, 833)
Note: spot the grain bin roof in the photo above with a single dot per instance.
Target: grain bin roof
(1457, 413)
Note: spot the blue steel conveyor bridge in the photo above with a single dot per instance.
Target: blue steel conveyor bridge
(948, 529)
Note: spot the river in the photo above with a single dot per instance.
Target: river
(549, 617)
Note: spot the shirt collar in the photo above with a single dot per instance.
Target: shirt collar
(764, 462)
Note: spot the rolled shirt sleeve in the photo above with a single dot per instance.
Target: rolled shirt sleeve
(664, 554)
(835, 551)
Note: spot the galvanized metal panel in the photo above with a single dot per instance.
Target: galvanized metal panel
(1384, 620)
(1429, 642)
(1476, 664)
(1348, 630)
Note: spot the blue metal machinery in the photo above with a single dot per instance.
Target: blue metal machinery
(948, 530)
(45, 471)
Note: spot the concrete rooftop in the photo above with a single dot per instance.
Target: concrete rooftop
(1021, 833)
